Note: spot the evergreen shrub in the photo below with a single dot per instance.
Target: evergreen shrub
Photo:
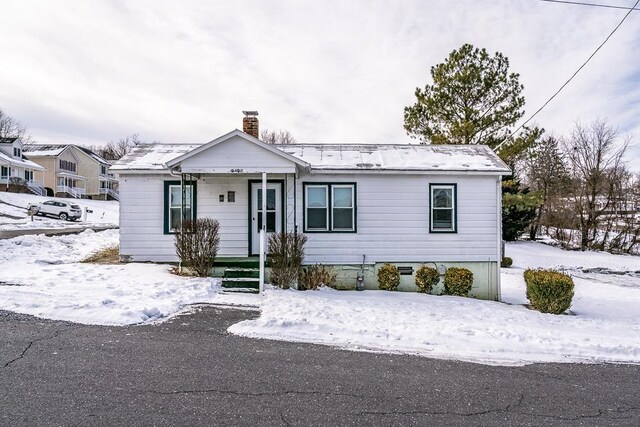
(426, 279)
(549, 291)
(388, 277)
(506, 262)
(458, 281)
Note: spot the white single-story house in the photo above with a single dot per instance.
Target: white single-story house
(360, 205)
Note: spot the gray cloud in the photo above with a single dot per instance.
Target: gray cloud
(327, 71)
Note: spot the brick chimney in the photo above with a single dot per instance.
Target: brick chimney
(250, 123)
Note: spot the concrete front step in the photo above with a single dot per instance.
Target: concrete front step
(241, 273)
(240, 291)
(241, 282)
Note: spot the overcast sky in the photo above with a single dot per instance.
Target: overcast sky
(328, 71)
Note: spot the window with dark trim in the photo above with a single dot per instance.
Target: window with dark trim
(173, 201)
(67, 165)
(443, 209)
(330, 207)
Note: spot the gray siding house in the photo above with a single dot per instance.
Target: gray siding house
(360, 205)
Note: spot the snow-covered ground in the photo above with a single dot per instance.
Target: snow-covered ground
(41, 276)
(604, 324)
(13, 212)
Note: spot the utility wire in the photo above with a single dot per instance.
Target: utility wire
(573, 75)
(580, 3)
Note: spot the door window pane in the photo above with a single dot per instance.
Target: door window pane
(271, 199)
(271, 222)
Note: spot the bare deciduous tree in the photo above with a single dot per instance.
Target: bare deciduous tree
(546, 172)
(595, 158)
(115, 150)
(277, 137)
(11, 128)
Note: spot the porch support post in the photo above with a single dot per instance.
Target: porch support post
(263, 230)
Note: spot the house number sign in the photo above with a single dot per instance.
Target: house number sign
(236, 170)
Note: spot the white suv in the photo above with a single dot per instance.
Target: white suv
(62, 210)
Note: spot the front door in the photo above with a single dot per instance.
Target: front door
(274, 212)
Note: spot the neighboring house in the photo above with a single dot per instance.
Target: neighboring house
(16, 170)
(359, 205)
(74, 171)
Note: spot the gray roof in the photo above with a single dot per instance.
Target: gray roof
(152, 156)
(348, 157)
(398, 157)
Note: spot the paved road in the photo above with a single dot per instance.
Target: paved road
(191, 372)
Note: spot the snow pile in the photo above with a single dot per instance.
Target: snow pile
(603, 325)
(443, 327)
(13, 213)
(41, 276)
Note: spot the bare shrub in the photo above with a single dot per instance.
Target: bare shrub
(197, 244)
(286, 253)
(315, 276)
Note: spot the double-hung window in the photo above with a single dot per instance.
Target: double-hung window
(176, 204)
(442, 201)
(330, 207)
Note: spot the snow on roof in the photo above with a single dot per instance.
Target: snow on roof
(93, 155)
(406, 157)
(374, 157)
(37, 150)
(24, 163)
(152, 156)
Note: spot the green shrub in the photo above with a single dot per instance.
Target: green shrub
(426, 279)
(458, 281)
(286, 253)
(549, 291)
(506, 262)
(197, 243)
(388, 277)
(315, 276)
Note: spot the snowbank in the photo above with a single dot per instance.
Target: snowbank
(41, 276)
(603, 325)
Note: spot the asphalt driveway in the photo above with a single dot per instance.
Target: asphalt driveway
(189, 371)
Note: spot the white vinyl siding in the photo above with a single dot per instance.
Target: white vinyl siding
(142, 215)
(393, 221)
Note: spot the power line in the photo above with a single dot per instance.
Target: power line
(580, 3)
(573, 75)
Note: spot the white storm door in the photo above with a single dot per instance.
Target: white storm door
(274, 212)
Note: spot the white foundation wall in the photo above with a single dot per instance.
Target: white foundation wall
(393, 221)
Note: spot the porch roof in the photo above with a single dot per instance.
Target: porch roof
(22, 163)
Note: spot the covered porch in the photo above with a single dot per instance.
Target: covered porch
(227, 182)
(70, 184)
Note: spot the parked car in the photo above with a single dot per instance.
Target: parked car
(63, 210)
